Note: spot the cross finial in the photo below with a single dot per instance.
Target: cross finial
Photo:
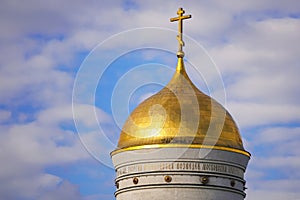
(180, 18)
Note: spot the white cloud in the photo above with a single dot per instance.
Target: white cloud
(28, 148)
(62, 191)
(260, 68)
(31, 144)
(278, 135)
(87, 114)
(257, 114)
(280, 162)
(261, 59)
(4, 115)
(274, 167)
(270, 194)
(25, 190)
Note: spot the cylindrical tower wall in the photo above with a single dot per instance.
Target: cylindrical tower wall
(180, 173)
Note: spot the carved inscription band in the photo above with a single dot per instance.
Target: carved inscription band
(179, 166)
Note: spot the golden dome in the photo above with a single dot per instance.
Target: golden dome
(180, 115)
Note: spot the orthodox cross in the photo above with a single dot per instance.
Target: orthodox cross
(180, 18)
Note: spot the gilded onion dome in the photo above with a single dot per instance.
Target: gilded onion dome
(180, 115)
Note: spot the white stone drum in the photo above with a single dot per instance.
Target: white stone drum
(180, 173)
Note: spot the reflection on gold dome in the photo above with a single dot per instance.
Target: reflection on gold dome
(180, 115)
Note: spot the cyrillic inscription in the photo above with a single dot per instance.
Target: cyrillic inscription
(181, 166)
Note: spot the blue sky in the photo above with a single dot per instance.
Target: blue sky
(52, 54)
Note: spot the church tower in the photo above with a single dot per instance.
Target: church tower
(180, 144)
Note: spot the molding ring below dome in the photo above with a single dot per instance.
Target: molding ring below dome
(192, 146)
